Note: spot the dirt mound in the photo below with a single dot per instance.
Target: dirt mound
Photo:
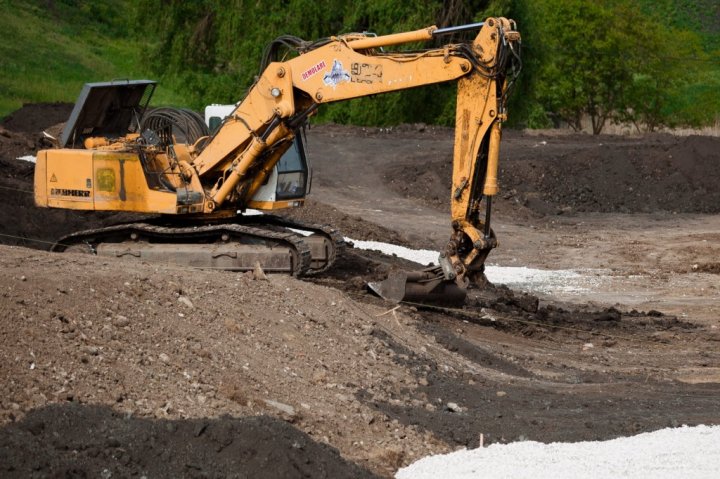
(163, 342)
(23, 223)
(374, 381)
(36, 117)
(587, 174)
(14, 144)
(315, 212)
(21, 133)
(670, 174)
(72, 440)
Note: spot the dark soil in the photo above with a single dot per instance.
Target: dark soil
(350, 226)
(14, 144)
(508, 406)
(512, 408)
(27, 225)
(36, 117)
(74, 440)
(384, 385)
(607, 174)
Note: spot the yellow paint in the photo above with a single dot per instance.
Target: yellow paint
(97, 180)
(130, 191)
(394, 39)
(224, 176)
(275, 205)
(74, 173)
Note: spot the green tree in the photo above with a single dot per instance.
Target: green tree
(211, 49)
(661, 74)
(609, 62)
(582, 69)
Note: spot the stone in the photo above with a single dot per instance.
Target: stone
(452, 407)
(120, 321)
(186, 301)
(258, 273)
(282, 407)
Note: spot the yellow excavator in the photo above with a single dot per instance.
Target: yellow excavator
(115, 154)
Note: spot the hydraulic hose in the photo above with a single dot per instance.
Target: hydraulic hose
(175, 124)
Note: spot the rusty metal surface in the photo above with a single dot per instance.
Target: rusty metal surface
(425, 286)
(235, 246)
(198, 242)
(231, 256)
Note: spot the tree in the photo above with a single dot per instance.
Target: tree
(210, 49)
(604, 60)
(664, 68)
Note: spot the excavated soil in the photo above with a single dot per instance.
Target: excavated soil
(37, 117)
(607, 174)
(73, 440)
(116, 370)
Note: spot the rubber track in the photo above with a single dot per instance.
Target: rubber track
(291, 239)
(335, 237)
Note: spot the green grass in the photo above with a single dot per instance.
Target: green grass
(47, 55)
(49, 49)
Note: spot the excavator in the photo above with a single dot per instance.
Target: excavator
(196, 186)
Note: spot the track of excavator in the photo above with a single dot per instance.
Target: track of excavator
(277, 244)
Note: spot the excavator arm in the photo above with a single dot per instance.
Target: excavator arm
(353, 66)
(115, 156)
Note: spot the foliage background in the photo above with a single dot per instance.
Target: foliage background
(651, 63)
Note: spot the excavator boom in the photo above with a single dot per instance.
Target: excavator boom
(138, 163)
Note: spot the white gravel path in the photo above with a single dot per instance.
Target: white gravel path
(686, 452)
(522, 278)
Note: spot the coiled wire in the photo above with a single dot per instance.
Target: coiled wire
(175, 125)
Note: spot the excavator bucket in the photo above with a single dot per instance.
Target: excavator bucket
(427, 286)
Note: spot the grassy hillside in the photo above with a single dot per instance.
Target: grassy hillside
(207, 51)
(49, 49)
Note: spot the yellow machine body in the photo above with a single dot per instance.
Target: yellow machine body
(97, 180)
(226, 172)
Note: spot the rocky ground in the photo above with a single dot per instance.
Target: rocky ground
(115, 370)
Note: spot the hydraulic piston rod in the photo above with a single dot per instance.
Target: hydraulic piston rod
(459, 28)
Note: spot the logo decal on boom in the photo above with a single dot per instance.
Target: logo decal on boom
(337, 75)
(366, 73)
(313, 70)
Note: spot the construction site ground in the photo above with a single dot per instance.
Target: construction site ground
(113, 369)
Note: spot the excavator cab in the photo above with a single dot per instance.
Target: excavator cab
(291, 178)
(289, 182)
